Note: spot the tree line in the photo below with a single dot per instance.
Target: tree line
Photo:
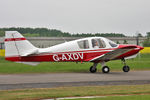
(45, 32)
(146, 43)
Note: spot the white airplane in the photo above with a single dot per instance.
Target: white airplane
(92, 49)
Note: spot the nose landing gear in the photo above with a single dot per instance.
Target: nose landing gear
(125, 67)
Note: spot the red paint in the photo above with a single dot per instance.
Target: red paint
(49, 57)
(14, 39)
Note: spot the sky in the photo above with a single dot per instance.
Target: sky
(78, 16)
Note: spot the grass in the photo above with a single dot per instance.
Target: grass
(6, 67)
(131, 97)
(38, 94)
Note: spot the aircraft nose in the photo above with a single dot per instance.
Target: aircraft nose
(140, 47)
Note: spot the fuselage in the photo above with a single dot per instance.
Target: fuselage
(80, 50)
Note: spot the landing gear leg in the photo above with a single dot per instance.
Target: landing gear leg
(105, 69)
(125, 67)
(93, 68)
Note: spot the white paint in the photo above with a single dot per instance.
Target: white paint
(86, 97)
(15, 48)
(67, 56)
(55, 57)
(80, 55)
(75, 56)
(73, 46)
(63, 57)
(70, 58)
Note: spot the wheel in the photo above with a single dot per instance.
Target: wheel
(105, 69)
(93, 70)
(126, 68)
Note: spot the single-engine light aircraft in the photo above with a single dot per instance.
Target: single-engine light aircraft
(91, 49)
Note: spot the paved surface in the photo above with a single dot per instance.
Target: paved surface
(72, 79)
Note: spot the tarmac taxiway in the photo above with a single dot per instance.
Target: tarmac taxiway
(22, 81)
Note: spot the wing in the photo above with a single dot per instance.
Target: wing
(112, 54)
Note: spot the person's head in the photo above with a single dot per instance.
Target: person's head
(95, 42)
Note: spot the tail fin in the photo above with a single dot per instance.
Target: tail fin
(17, 45)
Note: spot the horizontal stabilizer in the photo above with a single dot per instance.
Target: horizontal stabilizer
(30, 52)
(30, 63)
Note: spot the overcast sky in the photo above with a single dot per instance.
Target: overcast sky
(78, 16)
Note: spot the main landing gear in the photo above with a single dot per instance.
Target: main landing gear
(106, 69)
(93, 68)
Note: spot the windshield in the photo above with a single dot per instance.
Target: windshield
(112, 44)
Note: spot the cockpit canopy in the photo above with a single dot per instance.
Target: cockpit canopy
(96, 43)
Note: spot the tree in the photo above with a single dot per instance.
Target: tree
(2, 33)
(140, 35)
(125, 42)
(45, 32)
(146, 42)
(148, 34)
(118, 42)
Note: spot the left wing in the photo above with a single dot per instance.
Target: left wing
(112, 54)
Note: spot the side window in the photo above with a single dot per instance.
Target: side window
(84, 44)
(98, 43)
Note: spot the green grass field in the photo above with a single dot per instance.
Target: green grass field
(130, 97)
(6, 67)
(135, 92)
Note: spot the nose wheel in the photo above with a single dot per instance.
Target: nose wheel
(125, 67)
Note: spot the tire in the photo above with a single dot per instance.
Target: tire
(126, 68)
(93, 70)
(105, 69)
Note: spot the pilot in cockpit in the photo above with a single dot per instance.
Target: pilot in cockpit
(95, 43)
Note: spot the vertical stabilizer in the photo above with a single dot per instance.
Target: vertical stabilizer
(17, 45)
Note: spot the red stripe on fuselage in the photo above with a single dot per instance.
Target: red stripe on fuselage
(14, 39)
(61, 57)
